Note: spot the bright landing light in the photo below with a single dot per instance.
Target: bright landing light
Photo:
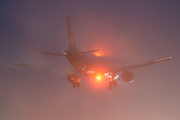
(97, 54)
(98, 78)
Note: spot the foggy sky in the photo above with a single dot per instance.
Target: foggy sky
(129, 32)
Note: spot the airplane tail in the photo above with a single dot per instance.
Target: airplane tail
(72, 44)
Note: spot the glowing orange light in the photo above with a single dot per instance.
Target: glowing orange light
(97, 54)
(98, 77)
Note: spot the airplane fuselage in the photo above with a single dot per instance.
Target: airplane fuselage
(73, 56)
(83, 66)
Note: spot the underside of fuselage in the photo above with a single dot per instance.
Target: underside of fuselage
(78, 61)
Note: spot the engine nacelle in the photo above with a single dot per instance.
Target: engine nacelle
(127, 76)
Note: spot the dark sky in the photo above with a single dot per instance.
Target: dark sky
(130, 31)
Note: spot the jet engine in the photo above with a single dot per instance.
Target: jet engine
(127, 76)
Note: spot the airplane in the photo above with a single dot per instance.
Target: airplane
(86, 68)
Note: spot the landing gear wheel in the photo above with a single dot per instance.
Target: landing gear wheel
(74, 85)
(110, 88)
(110, 85)
(78, 84)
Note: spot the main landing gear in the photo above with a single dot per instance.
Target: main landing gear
(111, 83)
(111, 79)
(76, 84)
(74, 79)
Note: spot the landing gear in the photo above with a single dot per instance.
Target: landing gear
(111, 83)
(74, 79)
(111, 79)
(76, 84)
(115, 83)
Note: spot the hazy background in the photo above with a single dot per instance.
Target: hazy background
(130, 31)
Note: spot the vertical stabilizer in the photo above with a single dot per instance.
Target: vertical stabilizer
(72, 44)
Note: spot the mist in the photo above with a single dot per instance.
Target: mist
(127, 32)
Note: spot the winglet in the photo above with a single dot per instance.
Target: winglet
(164, 59)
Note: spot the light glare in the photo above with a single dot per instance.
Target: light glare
(98, 77)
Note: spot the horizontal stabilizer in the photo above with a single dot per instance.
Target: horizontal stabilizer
(52, 54)
(83, 53)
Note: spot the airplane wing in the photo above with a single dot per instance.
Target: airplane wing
(44, 68)
(140, 65)
(52, 54)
